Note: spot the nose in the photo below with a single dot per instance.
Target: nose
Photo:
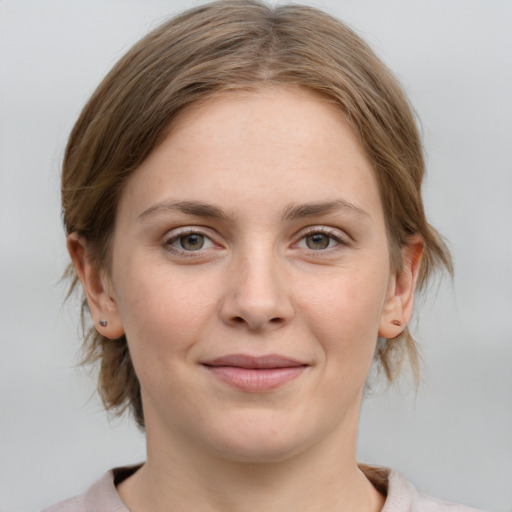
(256, 296)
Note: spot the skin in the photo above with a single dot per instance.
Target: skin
(312, 283)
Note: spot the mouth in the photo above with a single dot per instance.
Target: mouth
(255, 374)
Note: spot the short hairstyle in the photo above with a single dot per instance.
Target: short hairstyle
(213, 49)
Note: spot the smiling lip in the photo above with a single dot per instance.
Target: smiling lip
(255, 374)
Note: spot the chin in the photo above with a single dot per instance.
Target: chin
(256, 440)
(254, 452)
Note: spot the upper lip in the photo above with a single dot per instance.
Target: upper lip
(254, 362)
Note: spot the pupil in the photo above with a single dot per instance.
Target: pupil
(192, 242)
(317, 241)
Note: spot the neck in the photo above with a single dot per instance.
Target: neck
(322, 477)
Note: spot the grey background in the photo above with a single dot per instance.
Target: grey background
(454, 438)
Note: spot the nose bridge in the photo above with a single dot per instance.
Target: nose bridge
(256, 295)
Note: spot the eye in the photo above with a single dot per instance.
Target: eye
(319, 241)
(189, 242)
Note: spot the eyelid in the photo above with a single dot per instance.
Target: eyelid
(336, 234)
(174, 234)
(341, 238)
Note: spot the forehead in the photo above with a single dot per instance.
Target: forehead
(267, 116)
(273, 146)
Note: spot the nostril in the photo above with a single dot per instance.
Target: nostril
(240, 320)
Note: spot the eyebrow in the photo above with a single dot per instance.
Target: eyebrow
(291, 212)
(196, 208)
(300, 211)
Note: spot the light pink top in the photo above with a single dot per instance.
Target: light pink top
(401, 495)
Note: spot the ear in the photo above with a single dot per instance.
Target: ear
(399, 303)
(97, 289)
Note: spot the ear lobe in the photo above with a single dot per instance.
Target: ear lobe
(399, 304)
(102, 304)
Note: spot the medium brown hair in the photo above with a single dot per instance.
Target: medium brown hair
(212, 49)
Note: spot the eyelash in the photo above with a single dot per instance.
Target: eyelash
(330, 233)
(314, 230)
(175, 237)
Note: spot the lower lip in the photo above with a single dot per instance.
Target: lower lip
(255, 380)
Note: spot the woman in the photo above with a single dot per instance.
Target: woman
(242, 197)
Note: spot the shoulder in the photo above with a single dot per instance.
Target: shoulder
(100, 497)
(403, 497)
(429, 504)
(76, 504)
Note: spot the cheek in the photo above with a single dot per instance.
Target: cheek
(163, 311)
(344, 316)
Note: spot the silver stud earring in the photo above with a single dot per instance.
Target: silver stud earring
(103, 323)
(397, 323)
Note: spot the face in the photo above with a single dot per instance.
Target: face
(251, 276)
